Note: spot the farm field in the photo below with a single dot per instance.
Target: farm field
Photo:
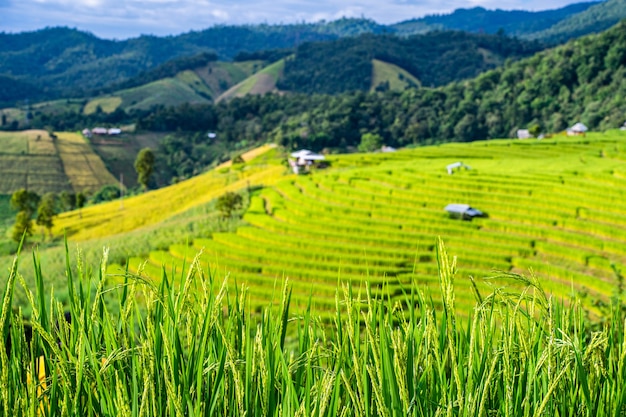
(261, 82)
(396, 78)
(33, 160)
(554, 208)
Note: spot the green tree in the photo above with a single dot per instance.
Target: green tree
(370, 142)
(80, 201)
(26, 201)
(535, 130)
(227, 203)
(144, 165)
(23, 226)
(46, 212)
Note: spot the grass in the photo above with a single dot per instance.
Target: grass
(385, 72)
(107, 104)
(259, 83)
(189, 345)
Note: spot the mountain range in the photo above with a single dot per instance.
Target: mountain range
(62, 62)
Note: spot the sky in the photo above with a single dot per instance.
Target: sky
(122, 19)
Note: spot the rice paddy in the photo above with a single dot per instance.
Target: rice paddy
(554, 208)
(189, 346)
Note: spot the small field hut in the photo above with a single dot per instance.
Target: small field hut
(463, 211)
(578, 129)
(304, 159)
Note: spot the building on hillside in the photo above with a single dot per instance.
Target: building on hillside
(457, 166)
(524, 134)
(463, 211)
(304, 160)
(99, 131)
(387, 149)
(114, 131)
(87, 133)
(578, 129)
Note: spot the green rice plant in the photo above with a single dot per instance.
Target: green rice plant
(187, 345)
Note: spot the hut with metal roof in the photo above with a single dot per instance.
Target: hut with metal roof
(463, 211)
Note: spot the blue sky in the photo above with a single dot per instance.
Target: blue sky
(121, 19)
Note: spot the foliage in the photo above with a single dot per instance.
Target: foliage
(228, 203)
(435, 59)
(166, 70)
(24, 200)
(106, 193)
(46, 211)
(478, 19)
(144, 165)
(370, 142)
(195, 348)
(595, 19)
(23, 226)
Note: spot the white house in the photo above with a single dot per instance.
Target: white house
(114, 131)
(524, 134)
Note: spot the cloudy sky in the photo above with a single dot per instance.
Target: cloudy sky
(120, 19)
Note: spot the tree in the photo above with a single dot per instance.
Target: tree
(23, 200)
(23, 226)
(370, 142)
(81, 199)
(144, 165)
(45, 211)
(227, 203)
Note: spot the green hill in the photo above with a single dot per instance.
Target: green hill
(387, 76)
(595, 19)
(62, 62)
(260, 83)
(435, 59)
(479, 19)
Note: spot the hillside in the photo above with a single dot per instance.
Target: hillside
(435, 59)
(478, 19)
(260, 83)
(35, 161)
(593, 20)
(74, 63)
(580, 81)
(379, 215)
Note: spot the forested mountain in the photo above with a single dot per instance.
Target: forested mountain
(595, 19)
(479, 19)
(435, 59)
(63, 62)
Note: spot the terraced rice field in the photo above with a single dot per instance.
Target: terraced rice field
(556, 208)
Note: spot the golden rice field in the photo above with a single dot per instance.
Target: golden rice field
(149, 209)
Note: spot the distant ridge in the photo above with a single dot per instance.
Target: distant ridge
(73, 63)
